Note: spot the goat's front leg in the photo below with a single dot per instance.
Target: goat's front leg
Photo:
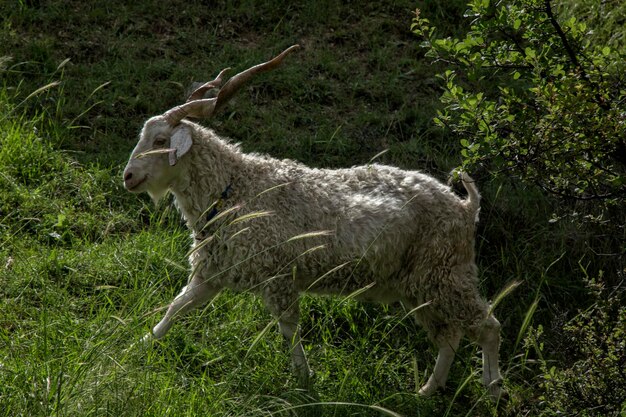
(195, 294)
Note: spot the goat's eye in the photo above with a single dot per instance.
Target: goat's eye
(159, 142)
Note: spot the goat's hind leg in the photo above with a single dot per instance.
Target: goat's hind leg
(291, 332)
(287, 311)
(446, 339)
(447, 344)
(195, 294)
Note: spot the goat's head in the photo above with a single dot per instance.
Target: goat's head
(166, 138)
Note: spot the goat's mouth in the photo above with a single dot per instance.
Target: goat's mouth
(134, 187)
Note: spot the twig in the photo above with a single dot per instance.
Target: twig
(559, 31)
(572, 56)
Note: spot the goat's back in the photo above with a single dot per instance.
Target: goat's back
(383, 220)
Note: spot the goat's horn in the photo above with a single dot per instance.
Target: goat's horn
(178, 113)
(199, 92)
(197, 108)
(235, 83)
(204, 108)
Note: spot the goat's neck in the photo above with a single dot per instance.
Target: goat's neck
(211, 166)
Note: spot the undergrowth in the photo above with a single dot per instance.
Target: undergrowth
(86, 268)
(591, 380)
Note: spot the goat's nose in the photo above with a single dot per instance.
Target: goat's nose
(128, 176)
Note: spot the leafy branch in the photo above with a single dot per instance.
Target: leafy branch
(524, 103)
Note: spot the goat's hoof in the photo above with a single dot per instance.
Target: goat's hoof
(495, 390)
(428, 389)
(306, 380)
(144, 341)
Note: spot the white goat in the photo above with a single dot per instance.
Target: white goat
(279, 228)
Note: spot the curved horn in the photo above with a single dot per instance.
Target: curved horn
(234, 84)
(204, 108)
(197, 108)
(199, 92)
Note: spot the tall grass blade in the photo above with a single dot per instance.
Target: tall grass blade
(71, 124)
(200, 245)
(380, 409)
(503, 294)
(313, 249)
(220, 215)
(358, 292)
(533, 307)
(311, 235)
(153, 152)
(63, 64)
(332, 271)
(273, 188)
(238, 232)
(175, 264)
(526, 323)
(38, 91)
(98, 88)
(378, 155)
(251, 216)
(258, 338)
(458, 391)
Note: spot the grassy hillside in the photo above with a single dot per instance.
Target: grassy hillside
(86, 268)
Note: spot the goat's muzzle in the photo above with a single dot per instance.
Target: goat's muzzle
(132, 181)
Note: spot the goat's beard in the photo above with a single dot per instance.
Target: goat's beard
(157, 195)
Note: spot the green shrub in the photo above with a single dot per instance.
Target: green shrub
(531, 96)
(592, 379)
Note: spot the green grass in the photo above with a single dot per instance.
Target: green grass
(86, 268)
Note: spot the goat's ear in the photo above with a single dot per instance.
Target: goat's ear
(180, 143)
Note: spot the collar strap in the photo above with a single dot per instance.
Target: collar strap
(219, 203)
(215, 209)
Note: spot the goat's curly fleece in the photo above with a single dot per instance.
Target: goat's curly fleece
(402, 234)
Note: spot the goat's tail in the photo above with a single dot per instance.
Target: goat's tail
(473, 196)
